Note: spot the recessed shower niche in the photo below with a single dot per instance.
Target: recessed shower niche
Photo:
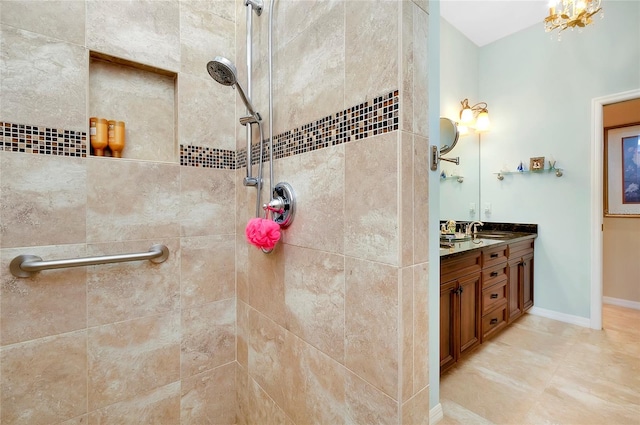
(143, 97)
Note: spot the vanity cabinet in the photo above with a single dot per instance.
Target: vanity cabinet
(460, 303)
(481, 292)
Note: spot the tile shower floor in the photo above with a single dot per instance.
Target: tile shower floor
(541, 371)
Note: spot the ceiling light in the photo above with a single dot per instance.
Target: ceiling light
(565, 14)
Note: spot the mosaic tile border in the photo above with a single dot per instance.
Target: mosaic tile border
(370, 118)
(42, 140)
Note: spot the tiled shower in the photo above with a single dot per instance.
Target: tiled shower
(329, 328)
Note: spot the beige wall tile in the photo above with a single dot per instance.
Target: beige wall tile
(266, 287)
(154, 343)
(208, 337)
(407, 67)
(367, 404)
(210, 397)
(78, 420)
(205, 34)
(120, 210)
(295, 17)
(314, 295)
(310, 81)
(371, 323)
(42, 201)
(422, 4)
(207, 112)
(371, 44)
(49, 18)
(207, 267)
(255, 406)
(44, 381)
(124, 291)
(144, 100)
(206, 201)
(242, 334)
(421, 200)
(318, 180)
(144, 31)
(406, 201)
(407, 302)
(49, 303)
(416, 410)
(371, 203)
(421, 74)
(421, 326)
(158, 406)
(55, 73)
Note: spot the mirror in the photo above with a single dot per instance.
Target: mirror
(448, 135)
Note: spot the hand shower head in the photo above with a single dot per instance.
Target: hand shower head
(222, 70)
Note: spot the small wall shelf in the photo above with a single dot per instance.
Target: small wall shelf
(558, 172)
(459, 179)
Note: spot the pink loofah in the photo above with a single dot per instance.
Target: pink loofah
(263, 233)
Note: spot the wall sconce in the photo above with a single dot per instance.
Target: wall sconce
(476, 116)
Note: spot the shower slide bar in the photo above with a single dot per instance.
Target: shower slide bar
(28, 265)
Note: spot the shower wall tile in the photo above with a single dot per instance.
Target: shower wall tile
(421, 200)
(48, 18)
(204, 35)
(78, 420)
(154, 343)
(210, 397)
(142, 99)
(118, 209)
(371, 323)
(55, 73)
(207, 269)
(421, 74)
(125, 291)
(314, 296)
(207, 116)
(319, 178)
(407, 331)
(416, 410)
(422, 4)
(242, 334)
(296, 17)
(144, 31)
(205, 206)
(371, 43)
(159, 406)
(208, 337)
(421, 326)
(254, 404)
(311, 89)
(266, 287)
(49, 303)
(371, 203)
(44, 381)
(407, 66)
(407, 205)
(42, 200)
(368, 405)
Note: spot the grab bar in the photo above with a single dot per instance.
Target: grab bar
(28, 265)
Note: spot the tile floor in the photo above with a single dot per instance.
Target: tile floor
(541, 371)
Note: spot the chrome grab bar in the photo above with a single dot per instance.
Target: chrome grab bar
(28, 265)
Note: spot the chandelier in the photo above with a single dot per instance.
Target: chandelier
(565, 14)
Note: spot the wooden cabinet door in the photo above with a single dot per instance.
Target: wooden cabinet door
(448, 322)
(514, 294)
(469, 304)
(527, 281)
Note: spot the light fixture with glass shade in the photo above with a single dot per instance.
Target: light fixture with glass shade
(476, 116)
(565, 14)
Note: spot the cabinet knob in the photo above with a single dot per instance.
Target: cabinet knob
(494, 296)
(494, 255)
(493, 321)
(494, 274)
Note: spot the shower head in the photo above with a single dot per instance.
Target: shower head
(222, 70)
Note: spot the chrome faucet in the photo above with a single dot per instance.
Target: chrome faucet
(472, 228)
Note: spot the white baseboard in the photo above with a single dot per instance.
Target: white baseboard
(562, 317)
(621, 303)
(436, 414)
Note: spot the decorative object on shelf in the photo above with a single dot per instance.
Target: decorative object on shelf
(552, 164)
(520, 167)
(476, 116)
(116, 138)
(459, 179)
(536, 163)
(443, 175)
(98, 135)
(565, 14)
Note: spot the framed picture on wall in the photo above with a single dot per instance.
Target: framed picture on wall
(622, 172)
(536, 164)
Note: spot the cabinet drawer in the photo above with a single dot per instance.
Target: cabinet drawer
(454, 268)
(493, 275)
(494, 255)
(494, 321)
(493, 296)
(519, 249)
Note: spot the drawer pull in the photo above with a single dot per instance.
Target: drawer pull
(494, 255)
(494, 296)
(494, 274)
(493, 321)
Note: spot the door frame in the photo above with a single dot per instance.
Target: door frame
(597, 198)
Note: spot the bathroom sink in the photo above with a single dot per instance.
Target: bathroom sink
(494, 234)
(457, 237)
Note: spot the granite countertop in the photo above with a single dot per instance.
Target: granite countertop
(492, 234)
